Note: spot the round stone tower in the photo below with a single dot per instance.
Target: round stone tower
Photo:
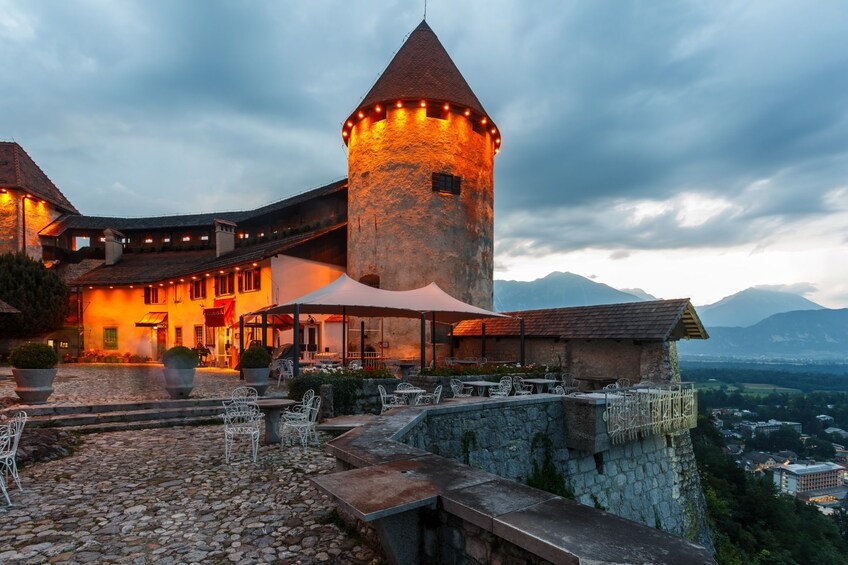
(421, 187)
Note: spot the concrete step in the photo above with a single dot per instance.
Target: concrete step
(146, 424)
(91, 418)
(63, 409)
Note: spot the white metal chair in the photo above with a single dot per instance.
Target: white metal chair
(430, 398)
(283, 368)
(623, 383)
(388, 401)
(404, 386)
(503, 389)
(241, 420)
(550, 377)
(10, 437)
(459, 389)
(521, 388)
(354, 365)
(299, 411)
(244, 395)
(304, 427)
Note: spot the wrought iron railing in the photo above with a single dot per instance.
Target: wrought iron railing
(642, 411)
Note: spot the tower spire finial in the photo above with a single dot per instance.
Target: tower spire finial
(425, 10)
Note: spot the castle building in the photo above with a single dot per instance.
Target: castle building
(417, 207)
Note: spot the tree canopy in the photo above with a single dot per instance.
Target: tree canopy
(36, 291)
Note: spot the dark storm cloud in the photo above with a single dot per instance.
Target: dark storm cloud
(164, 107)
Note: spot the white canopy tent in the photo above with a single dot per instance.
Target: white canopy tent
(345, 296)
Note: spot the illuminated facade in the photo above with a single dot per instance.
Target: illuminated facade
(798, 479)
(417, 208)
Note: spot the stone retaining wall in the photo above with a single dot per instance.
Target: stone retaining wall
(653, 481)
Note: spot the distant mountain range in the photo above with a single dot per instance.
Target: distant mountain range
(751, 306)
(804, 334)
(755, 323)
(557, 290)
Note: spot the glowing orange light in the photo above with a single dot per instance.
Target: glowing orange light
(361, 115)
(447, 107)
(194, 278)
(498, 150)
(493, 131)
(423, 103)
(238, 268)
(399, 104)
(483, 121)
(349, 124)
(221, 272)
(182, 280)
(377, 108)
(91, 288)
(467, 112)
(150, 286)
(169, 282)
(344, 134)
(131, 286)
(498, 141)
(255, 264)
(161, 284)
(3, 190)
(208, 275)
(44, 202)
(110, 286)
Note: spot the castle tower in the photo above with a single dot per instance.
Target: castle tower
(420, 171)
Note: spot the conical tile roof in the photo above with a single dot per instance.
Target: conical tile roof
(19, 171)
(423, 69)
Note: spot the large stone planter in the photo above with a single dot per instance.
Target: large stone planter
(179, 382)
(34, 386)
(257, 378)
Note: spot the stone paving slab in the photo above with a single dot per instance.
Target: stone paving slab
(166, 496)
(87, 383)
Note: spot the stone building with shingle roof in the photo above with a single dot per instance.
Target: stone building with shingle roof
(594, 344)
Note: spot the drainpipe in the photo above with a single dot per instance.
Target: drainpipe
(521, 322)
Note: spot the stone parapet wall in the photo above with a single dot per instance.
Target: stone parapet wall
(653, 481)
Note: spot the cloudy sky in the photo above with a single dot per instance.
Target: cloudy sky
(686, 148)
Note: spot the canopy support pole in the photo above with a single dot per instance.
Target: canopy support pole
(344, 337)
(483, 340)
(423, 339)
(241, 344)
(521, 323)
(433, 336)
(296, 353)
(264, 329)
(362, 342)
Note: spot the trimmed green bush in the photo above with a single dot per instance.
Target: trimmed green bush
(255, 358)
(36, 291)
(180, 357)
(34, 356)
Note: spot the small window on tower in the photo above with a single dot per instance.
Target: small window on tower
(445, 183)
(371, 280)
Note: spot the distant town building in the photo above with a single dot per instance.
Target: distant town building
(797, 479)
(765, 428)
(824, 418)
(838, 431)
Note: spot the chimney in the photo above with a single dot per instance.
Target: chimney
(225, 237)
(114, 245)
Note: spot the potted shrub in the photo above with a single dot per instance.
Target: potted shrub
(255, 363)
(180, 363)
(34, 368)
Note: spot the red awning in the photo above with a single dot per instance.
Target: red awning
(214, 317)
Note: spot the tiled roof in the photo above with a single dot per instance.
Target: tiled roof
(650, 320)
(100, 223)
(7, 309)
(422, 68)
(19, 171)
(143, 268)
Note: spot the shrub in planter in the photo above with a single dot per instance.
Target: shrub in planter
(255, 358)
(34, 356)
(34, 368)
(255, 362)
(180, 357)
(180, 363)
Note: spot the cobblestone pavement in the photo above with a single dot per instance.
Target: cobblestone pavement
(91, 383)
(166, 496)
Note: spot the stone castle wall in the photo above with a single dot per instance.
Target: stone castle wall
(653, 481)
